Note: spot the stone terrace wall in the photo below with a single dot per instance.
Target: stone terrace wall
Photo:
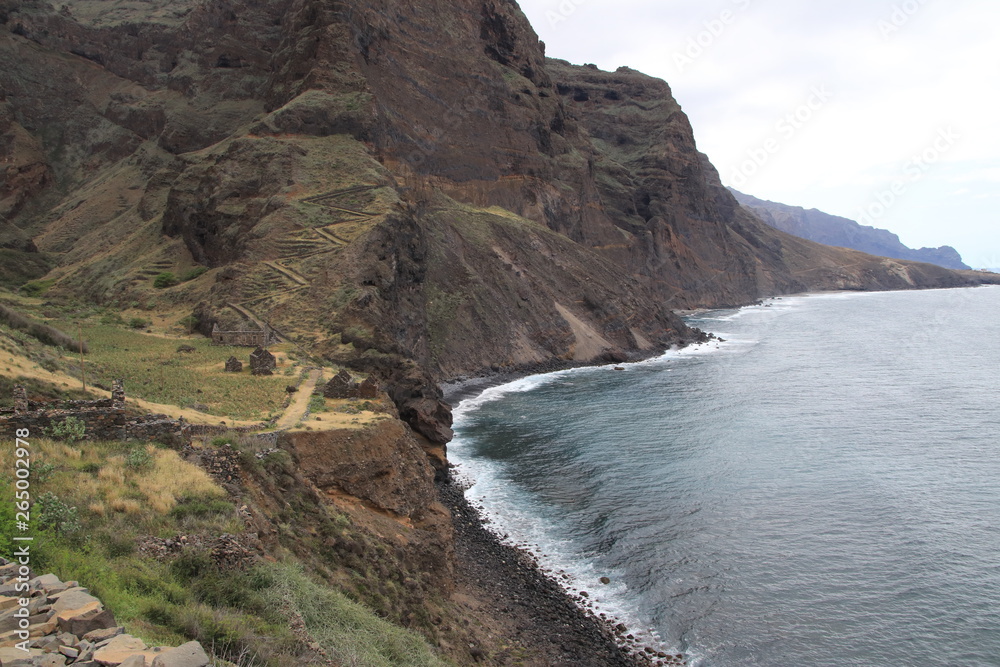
(103, 419)
(101, 424)
(106, 419)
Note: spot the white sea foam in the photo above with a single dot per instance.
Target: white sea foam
(512, 515)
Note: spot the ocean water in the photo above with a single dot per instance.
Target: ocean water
(821, 488)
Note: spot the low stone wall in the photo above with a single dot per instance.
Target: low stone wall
(106, 419)
(100, 424)
(103, 425)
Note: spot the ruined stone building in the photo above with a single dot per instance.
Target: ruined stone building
(244, 337)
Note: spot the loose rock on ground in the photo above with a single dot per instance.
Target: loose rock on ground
(61, 623)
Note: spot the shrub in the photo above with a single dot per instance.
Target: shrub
(43, 472)
(137, 323)
(164, 280)
(53, 514)
(139, 459)
(70, 429)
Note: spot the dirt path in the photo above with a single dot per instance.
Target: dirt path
(297, 408)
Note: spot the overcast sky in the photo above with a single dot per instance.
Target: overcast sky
(882, 111)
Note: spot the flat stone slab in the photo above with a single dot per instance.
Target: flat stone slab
(186, 655)
(45, 581)
(123, 647)
(50, 660)
(74, 598)
(98, 636)
(15, 657)
(67, 613)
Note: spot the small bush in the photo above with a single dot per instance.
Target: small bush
(165, 280)
(139, 459)
(70, 429)
(53, 514)
(43, 472)
(137, 323)
(317, 404)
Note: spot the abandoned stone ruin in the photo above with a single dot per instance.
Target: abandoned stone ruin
(107, 419)
(234, 365)
(342, 385)
(244, 337)
(262, 362)
(103, 419)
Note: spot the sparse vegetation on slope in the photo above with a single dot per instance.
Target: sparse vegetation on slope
(103, 509)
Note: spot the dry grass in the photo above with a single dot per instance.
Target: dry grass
(99, 477)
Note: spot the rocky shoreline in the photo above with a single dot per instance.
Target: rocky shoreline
(557, 629)
(461, 388)
(547, 617)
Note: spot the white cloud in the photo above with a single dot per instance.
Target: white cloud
(893, 93)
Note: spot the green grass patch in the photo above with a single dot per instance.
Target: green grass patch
(37, 287)
(350, 633)
(317, 404)
(200, 507)
(194, 273)
(153, 370)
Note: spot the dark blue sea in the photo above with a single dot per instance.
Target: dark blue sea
(820, 489)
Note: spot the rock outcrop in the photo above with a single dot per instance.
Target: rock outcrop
(55, 623)
(389, 470)
(833, 230)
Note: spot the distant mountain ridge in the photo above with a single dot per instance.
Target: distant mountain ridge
(833, 230)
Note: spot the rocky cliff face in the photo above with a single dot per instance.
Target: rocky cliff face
(841, 232)
(397, 185)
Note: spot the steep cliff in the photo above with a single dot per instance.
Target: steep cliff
(841, 232)
(414, 180)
